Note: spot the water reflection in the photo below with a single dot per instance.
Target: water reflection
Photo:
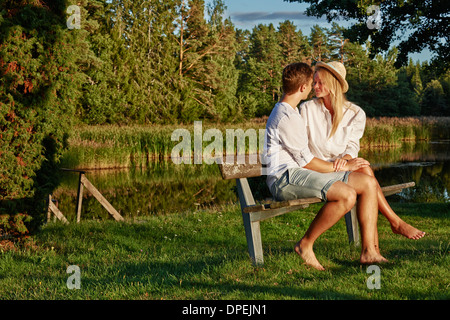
(427, 164)
(164, 187)
(161, 188)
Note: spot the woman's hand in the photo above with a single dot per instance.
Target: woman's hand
(355, 164)
(339, 164)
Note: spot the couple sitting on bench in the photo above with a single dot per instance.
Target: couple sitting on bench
(314, 153)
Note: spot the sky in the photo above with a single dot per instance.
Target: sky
(245, 14)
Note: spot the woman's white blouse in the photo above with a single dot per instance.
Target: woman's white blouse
(319, 123)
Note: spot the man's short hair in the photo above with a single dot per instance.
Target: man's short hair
(296, 75)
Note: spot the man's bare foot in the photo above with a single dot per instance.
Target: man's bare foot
(407, 231)
(308, 256)
(372, 258)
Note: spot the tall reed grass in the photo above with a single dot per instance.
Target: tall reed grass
(112, 146)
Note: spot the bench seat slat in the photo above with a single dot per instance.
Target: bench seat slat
(263, 215)
(396, 188)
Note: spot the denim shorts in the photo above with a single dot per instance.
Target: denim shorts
(298, 183)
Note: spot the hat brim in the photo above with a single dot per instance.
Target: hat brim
(338, 76)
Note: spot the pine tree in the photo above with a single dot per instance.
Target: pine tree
(133, 81)
(261, 77)
(294, 46)
(206, 70)
(319, 44)
(416, 81)
(337, 43)
(433, 100)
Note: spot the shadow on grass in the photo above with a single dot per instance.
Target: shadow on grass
(207, 265)
(430, 210)
(169, 279)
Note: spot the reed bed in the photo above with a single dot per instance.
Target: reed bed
(392, 131)
(113, 146)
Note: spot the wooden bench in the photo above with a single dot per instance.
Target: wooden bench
(253, 213)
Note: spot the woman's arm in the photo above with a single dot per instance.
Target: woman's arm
(323, 166)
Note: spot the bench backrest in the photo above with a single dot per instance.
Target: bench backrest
(238, 171)
(241, 168)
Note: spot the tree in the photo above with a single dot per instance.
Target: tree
(207, 74)
(433, 100)
(293, 44)
(40, 61)
(261, 76)
(425, 21)
(319, 44)
(337, 43)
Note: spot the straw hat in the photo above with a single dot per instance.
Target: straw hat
(338, 70)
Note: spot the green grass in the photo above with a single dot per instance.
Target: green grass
(203, 255)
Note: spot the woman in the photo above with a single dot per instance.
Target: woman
(335, 126)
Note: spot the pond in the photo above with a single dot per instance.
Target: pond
(164, 187)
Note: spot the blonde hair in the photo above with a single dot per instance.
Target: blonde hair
(337, 97)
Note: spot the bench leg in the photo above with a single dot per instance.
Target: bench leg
(254, 243)
(252, 229)
(351, 220)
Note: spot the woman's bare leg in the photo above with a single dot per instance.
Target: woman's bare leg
(367, 210)
(398, 226)
(340, 199)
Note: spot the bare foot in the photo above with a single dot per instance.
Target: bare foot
(308, 256)
(408, 231)
(373, 258)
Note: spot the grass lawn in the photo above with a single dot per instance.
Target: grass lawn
(203, 255)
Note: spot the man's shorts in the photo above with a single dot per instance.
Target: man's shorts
(298, 183)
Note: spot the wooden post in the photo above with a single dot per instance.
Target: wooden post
(100, 198)
(79, 197)
(49, 211)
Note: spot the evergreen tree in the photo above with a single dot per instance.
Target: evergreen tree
(294, 46)
(433, 100)
(40, 62)
(376, 85)
(132, 82)
(206, 70)
(319, 43)
(444, 79)
(337, 43)
(222, 64)
(261, 77)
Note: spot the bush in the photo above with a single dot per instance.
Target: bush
(39, 84)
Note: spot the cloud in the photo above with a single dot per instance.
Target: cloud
(262, 15)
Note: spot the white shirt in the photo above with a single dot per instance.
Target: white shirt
(286, 142)
(318, 122)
